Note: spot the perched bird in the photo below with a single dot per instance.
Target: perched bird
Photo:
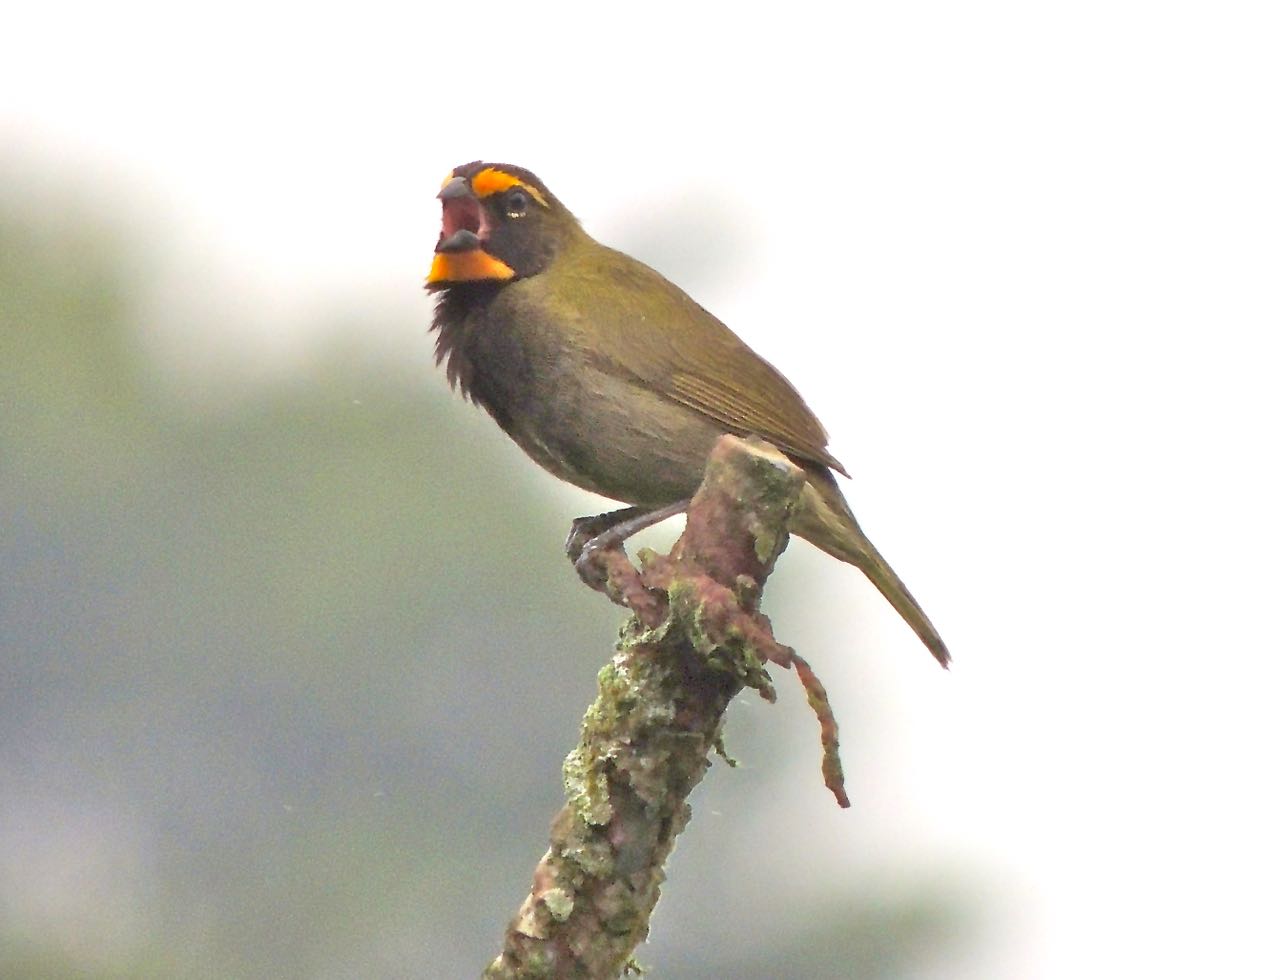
(613, 378)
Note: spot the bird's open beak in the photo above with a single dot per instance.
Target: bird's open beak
(460, 254)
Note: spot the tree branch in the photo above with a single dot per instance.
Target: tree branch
(695, 639)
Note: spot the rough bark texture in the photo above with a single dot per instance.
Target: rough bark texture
(694, 641)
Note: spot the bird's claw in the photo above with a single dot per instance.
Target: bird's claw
(584, 530)
(590, 560)
(604, 566)
(581, 531)
(595, 547)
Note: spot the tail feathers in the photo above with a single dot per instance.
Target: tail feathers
(829, 524)
(892, 588)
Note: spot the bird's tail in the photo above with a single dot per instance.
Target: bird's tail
(824, 519)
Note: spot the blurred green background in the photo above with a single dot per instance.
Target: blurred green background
(287, 676)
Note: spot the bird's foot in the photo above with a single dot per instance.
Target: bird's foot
(594, 560)
(604, 566)
(585, 529)
(595, 546)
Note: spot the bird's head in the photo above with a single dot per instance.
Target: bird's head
(500, 223)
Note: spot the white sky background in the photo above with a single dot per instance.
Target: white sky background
(1022, 260)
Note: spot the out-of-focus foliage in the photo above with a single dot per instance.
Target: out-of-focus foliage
(285, 688)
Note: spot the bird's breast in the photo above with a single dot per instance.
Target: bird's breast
(582, 416)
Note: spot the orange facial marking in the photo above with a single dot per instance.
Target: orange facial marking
(467, 267)
(491, 180)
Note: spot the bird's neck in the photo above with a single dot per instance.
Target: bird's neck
(455, 306)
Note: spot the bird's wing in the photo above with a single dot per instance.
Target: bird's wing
(655, 332)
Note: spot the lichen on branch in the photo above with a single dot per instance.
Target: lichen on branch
(695, 640)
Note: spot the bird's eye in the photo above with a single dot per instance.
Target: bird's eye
(517, 203)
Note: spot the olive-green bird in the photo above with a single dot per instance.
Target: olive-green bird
(611, 377)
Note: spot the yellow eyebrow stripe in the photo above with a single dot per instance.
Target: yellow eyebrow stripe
(491, 180)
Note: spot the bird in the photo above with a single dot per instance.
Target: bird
(613, 378)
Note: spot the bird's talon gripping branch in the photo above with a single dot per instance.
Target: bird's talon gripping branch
(577, 540)
(592, 564)
(595, 547)
(586, 529)
(604, 566)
